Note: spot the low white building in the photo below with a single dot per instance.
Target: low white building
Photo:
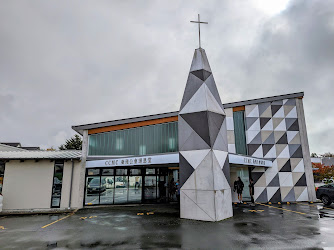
(40, 180)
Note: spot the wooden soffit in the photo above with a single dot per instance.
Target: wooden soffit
(132, 125)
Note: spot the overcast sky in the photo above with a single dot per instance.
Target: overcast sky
(65, 63)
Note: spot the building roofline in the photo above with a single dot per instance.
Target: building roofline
(12, 147)
(80, 128)
(40, 155)
(264, 99)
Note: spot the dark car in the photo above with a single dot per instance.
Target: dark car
(326, 194)
(95, 187)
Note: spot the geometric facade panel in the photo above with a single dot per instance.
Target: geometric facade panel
(272, 132)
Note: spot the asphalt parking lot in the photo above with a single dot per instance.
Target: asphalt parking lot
(293, 226)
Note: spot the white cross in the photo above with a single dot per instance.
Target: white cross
(199, 29)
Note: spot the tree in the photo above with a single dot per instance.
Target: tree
(328, 154)
(322, 172)
(74, 142)
(314, 155)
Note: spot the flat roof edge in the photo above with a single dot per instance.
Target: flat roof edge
(264, 99)
(124, 121)
(79, 128)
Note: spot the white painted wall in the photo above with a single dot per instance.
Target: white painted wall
(28, 185)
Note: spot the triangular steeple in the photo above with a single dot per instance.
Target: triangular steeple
(202, 126)
(200, 73)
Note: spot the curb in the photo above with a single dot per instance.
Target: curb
(22, 213)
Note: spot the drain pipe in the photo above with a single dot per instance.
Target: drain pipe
(70, 199)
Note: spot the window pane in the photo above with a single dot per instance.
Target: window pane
(107, 197)
(150, 171)
(239, 132)
(92, 171)
(107, 171)
(159, 138)
(93, 189)
(135, 189)
(135, 171)
(150, 189)
(121, 189)
(121, 171)
(2, 173)
(57, 184)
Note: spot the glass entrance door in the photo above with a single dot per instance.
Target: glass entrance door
(243, 173)
(244, 176)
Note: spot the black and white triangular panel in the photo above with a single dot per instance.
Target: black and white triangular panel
(204, 167)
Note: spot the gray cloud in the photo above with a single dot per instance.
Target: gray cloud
(73, 62)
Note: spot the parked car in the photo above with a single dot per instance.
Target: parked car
(327, 181)
(326, 194)
(120, 184)
(94, 186)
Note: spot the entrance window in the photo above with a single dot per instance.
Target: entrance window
(57, 184)
(107, 194)
(243, 173)
(92, 190)
(135, 189)
(2, 174)
(92, 187)
(150, 188)
(127, 185)
(121, 189)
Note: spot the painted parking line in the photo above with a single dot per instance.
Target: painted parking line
(280, 208)
(58, 220)
(255, 211)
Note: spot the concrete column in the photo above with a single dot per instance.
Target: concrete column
(83, 169)
(306, 150)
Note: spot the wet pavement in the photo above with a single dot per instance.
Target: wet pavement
(294, 226)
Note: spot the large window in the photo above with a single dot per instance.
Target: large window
(127, 185)
(57, 184)
(2, 174)
(239, 132)
(153, 139)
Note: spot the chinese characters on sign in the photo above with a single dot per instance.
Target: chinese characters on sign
(130, 161)
(254, 161)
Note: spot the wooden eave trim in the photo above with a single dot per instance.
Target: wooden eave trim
(132, 125)
(240, 108)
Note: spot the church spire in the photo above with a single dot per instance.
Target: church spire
(204, 166)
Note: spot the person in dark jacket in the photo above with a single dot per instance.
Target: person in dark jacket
(239, 186)
(251, 189)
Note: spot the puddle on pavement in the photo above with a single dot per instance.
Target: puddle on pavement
(54, 217)
(325, 215)
(51, 245)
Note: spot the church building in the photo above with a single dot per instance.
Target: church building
(203, 147)
(193, 155)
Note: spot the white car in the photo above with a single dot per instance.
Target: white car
(119, 184)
